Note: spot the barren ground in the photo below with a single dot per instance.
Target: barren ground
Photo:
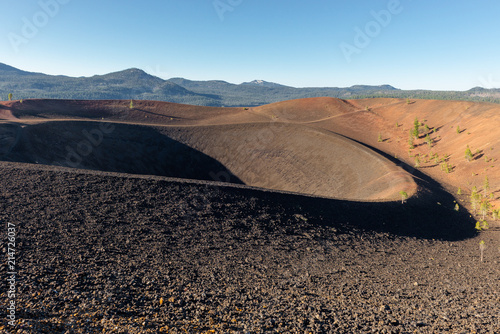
(309, 236)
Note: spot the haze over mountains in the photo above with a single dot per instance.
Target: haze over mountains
(137, 84)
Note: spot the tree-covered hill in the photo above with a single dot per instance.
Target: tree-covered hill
(137, 84)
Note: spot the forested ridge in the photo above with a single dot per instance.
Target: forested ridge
(137, 84)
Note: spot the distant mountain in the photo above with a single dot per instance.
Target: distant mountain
(136, 84)
(262, 83)
(6, 69)
(483, 92)
(259, 92)
(380, 88)
(128, 84)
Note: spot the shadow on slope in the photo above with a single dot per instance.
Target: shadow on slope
(430, 215)
(108, 147)
(296, 158)
(225, 214)
(9, 137)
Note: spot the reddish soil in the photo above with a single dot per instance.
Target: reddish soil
(306, 234)
(393, 119)
(257, 148)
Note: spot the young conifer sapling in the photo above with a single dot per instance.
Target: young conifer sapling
(482, 247)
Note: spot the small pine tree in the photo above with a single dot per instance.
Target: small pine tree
(485, 207)
(486, 185)
(380, 138)
(417, 162)
(458, 129)
(482, 247)
(457, 208)
(459, 192)
(131, 106)
(411, 142)
(10, 96)
(404, 196)
(468, 154)
(445, 167)
(428, 140)
(416, 128)
(485, 225)
(474, 198)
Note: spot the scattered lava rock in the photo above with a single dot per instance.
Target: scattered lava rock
(100, 252)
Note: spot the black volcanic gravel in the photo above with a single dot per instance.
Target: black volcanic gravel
(102, 253)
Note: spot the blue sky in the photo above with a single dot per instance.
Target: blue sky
(410, 44)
